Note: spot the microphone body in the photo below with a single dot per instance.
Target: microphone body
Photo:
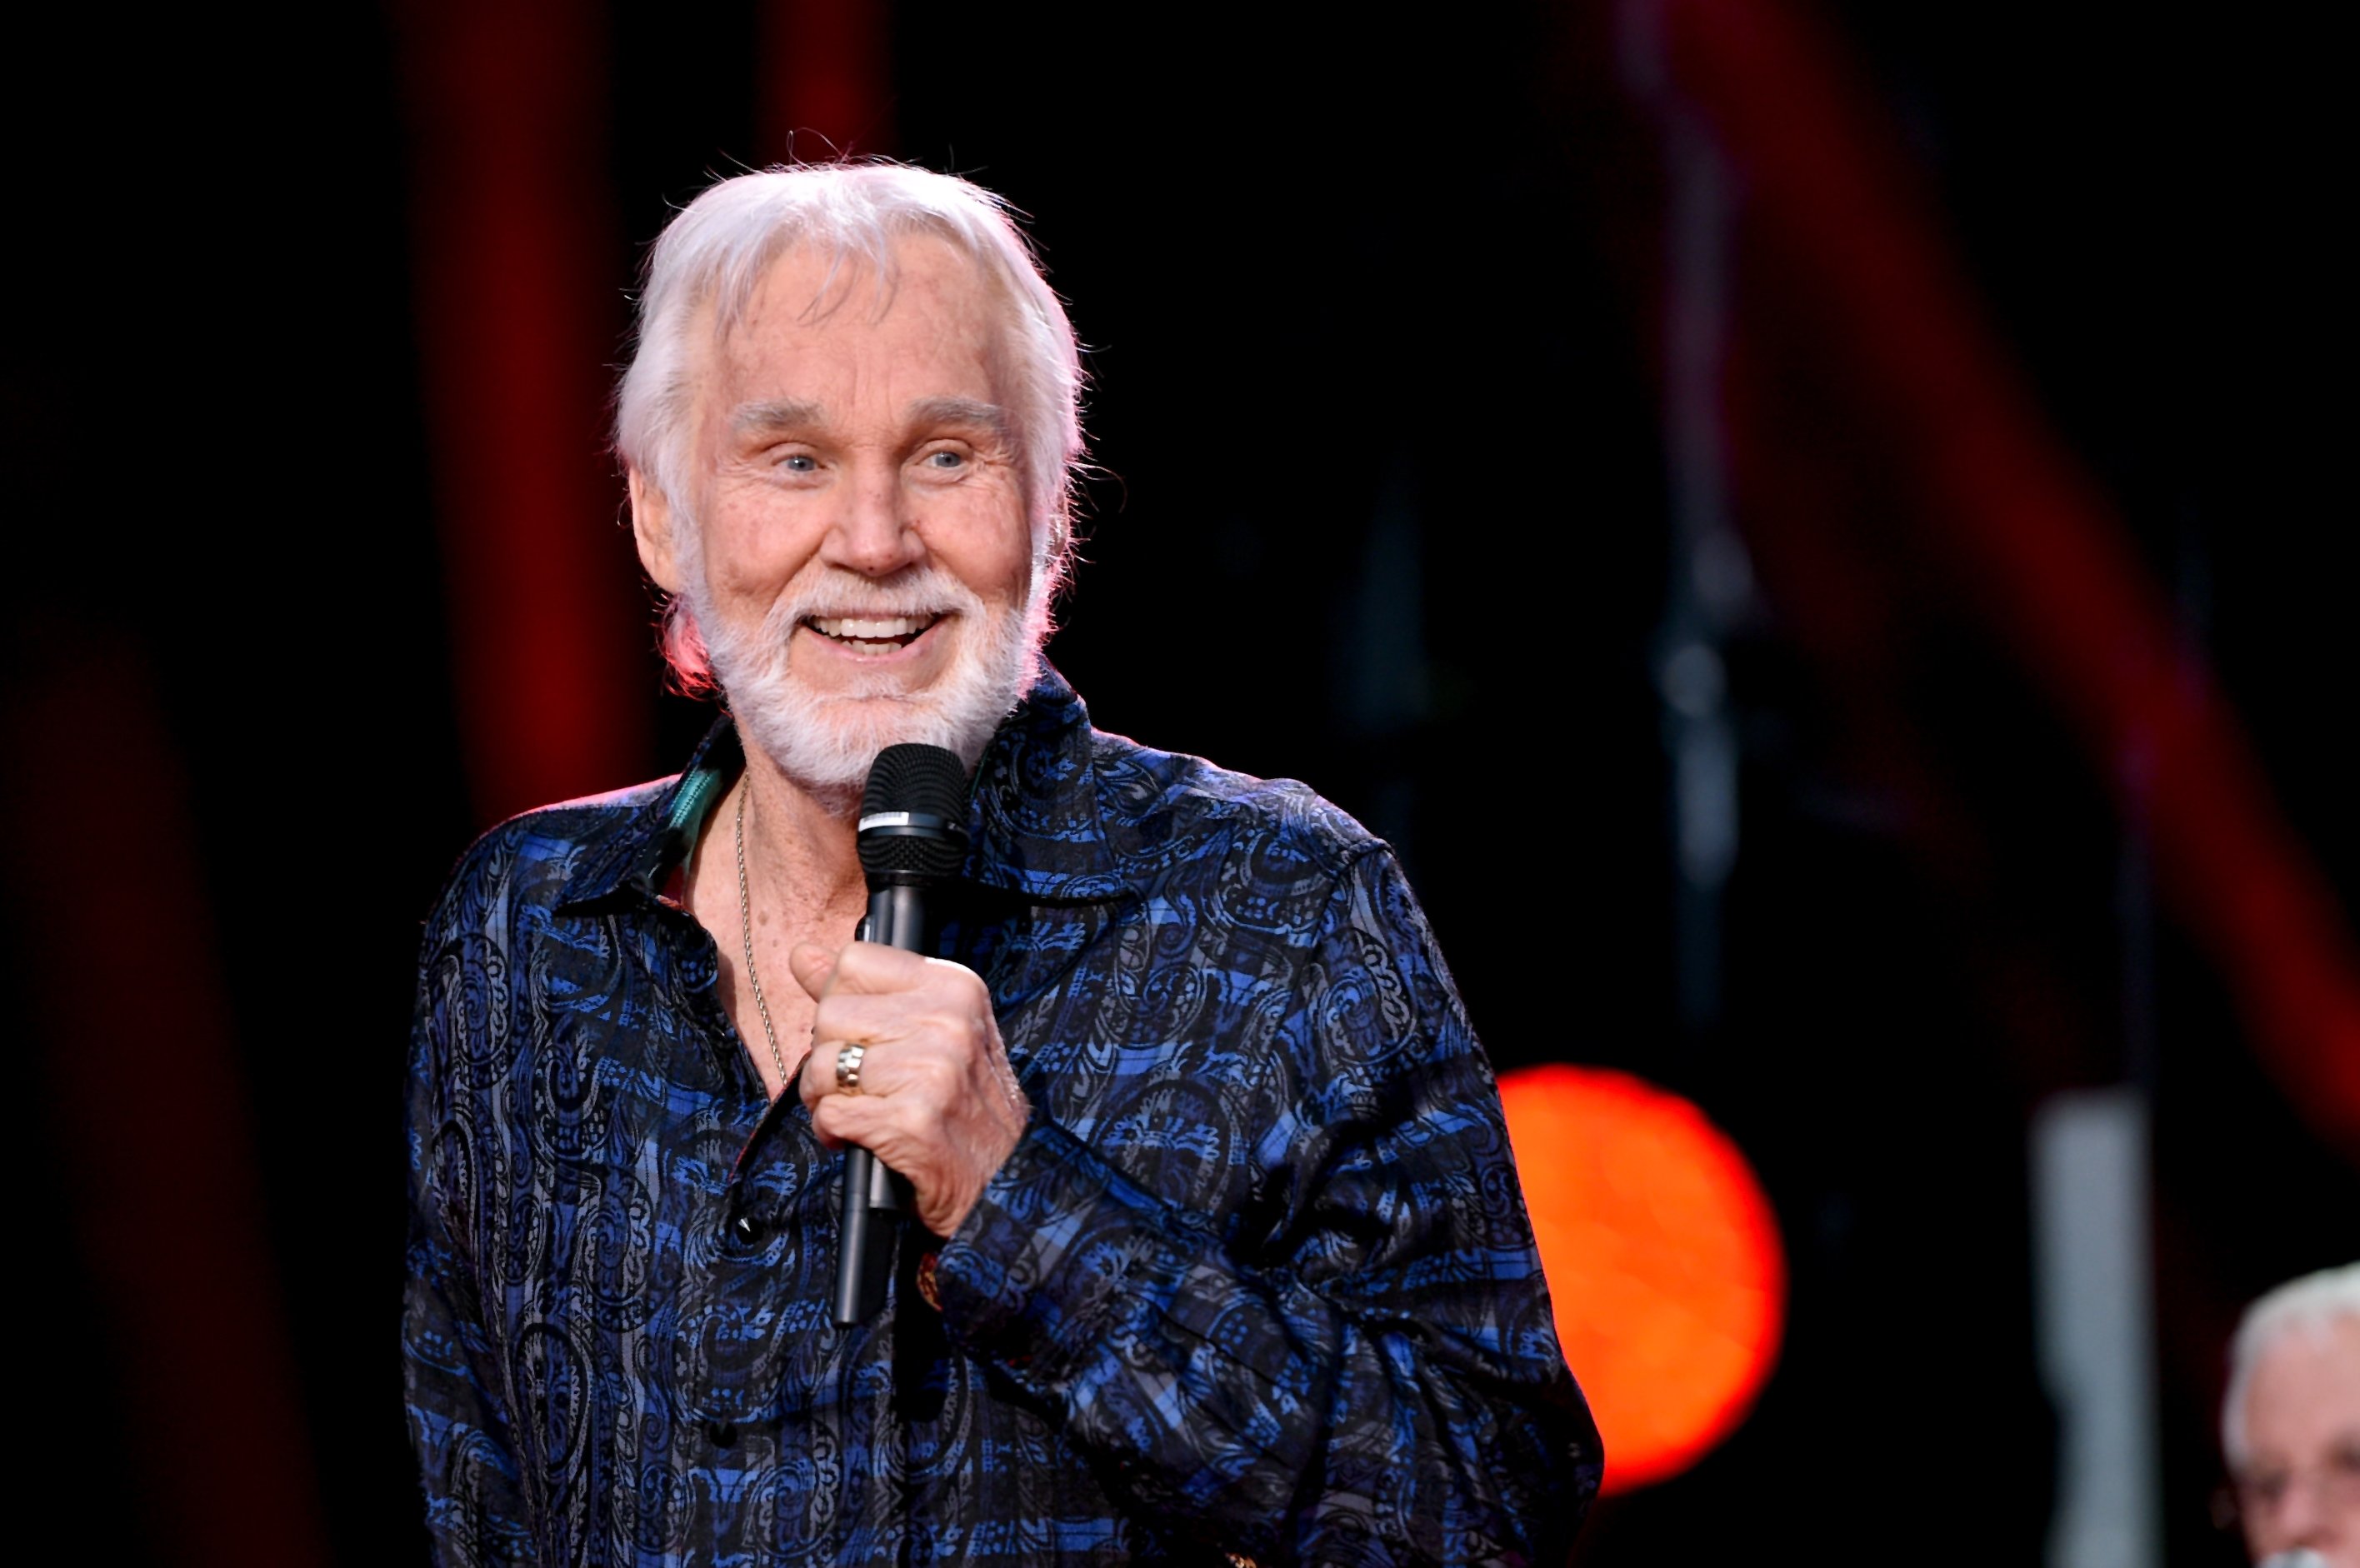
(913, 841)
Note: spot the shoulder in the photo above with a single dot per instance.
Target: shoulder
(1163, 808)
(526, 864)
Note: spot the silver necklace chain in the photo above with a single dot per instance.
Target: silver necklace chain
(746, 926)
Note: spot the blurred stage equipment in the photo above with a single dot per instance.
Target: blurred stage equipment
(2095, 1323)
(1663, 1258)
(1710, 594)
(1827, 206)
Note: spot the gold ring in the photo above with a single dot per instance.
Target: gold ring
(847, 1068)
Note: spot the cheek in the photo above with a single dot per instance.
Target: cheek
(989, 547)
(751, 548)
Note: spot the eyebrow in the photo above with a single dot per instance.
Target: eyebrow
(773, 414)
(960, 411)
(795, 413)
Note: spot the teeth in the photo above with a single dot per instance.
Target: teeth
(851, 628)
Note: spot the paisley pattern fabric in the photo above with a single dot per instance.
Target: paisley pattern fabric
(1257, 1281)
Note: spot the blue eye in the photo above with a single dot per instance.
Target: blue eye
(798, 463)
(946, 459)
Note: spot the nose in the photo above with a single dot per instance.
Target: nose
(2302, 1520)
(873, 532)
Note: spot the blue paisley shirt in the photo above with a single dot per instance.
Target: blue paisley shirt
(1256, 1284)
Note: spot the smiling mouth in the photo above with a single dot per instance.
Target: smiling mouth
(873, 636)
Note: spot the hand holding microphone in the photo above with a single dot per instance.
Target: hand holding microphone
(936, 1099)
(909, 1070)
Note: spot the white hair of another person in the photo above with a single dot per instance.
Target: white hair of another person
(2309, 1306)
(710, 260)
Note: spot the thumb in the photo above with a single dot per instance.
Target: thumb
(813, 966)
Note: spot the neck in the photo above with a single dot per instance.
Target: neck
(802, 842)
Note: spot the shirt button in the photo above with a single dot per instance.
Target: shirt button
(721, 1432)
(746, 1229)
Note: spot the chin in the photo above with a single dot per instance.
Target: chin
(828, 743)
(825, 741)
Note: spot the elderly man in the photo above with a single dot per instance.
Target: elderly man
(2291, 1424)
(1217, 1250)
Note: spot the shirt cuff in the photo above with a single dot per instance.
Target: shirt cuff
(1052, 1253)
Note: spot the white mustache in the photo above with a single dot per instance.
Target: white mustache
(927, 591)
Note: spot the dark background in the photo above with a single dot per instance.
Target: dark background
(1374, 313)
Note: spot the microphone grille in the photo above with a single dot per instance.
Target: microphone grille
(927, 781)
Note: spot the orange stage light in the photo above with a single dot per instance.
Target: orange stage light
(1663, 1260)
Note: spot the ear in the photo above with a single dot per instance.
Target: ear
(651, 523)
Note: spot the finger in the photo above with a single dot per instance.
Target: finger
(824, 1120)
(869, 968)
(876, 1071)
(865, 1116)
(878, 1020)
(880, 993)
(874, 1126)
(811, 964)
(819, 1083)
(817, 1080)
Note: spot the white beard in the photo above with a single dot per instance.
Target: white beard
(825, 741)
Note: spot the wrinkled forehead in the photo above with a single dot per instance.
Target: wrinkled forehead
(2306, 1381)
(921, 275)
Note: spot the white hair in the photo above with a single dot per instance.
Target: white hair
(713, 258)
(2309, 1306)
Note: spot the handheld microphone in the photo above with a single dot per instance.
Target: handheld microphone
(912, 838)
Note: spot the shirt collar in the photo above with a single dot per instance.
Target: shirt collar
(1033, 813)
(657, 834)
(1034, 808)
